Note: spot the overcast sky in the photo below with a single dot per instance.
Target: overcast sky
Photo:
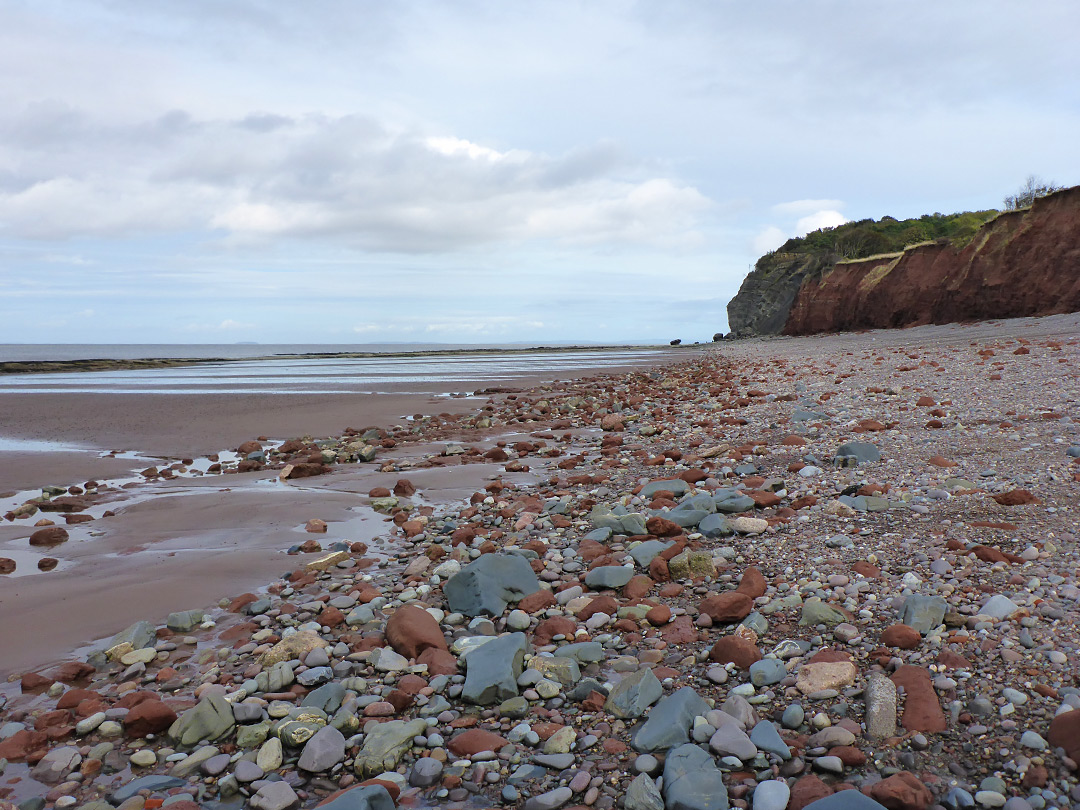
(212, 171)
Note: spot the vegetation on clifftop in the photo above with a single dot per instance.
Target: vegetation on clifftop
(868, 237)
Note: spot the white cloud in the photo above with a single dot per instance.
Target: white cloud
(818, 220)
(769, 238)
(804, 207)
(348, 179)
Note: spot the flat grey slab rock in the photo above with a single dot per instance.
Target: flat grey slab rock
(692, 781)
(492, 670)
(324, 750)
(645, 553)
(487, 584)
(669, 721)
(845, 800)
(634, 694)
(676, 486)
(210, 719)
(924, 613)
(642, 794)
(362, 797)
(772, 794)
(858, 453)
(609, 576)
(385, 745)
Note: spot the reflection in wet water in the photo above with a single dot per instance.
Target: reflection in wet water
(326, 375)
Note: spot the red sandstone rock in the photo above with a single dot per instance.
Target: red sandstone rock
(1065, 733)
(902, 791)
(411, 630)
(735, 650)
(555, 626)
(902, 636)
(601, 604)
(73, 697)
(658, 616)
(404, 488)
(149, 717)
(1016, 497)
(680, 631)
(541, 600)
(922, 710)
(753, 583)
(24, 746)
(726, 607)
(439, 662)
(662, 527)
(474, 741)
(866, 569)
(638, 587)
(49, 536)
(807, 789)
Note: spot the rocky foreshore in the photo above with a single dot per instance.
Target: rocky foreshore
(804, 573)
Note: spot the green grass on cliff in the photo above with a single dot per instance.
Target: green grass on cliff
(868, 237)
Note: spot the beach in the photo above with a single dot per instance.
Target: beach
(793, 566)
(192, 541)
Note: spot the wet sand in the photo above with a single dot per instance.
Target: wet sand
(182, 544)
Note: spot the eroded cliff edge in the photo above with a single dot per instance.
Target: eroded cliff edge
(1019, 263)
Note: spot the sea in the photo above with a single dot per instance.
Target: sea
(261, 368)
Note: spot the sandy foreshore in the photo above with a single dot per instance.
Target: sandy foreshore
(788, 568)
(191, 541)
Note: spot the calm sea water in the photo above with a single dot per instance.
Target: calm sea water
(461, 372)
(24, 352)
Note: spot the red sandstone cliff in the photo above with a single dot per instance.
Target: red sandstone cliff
(1020, 263)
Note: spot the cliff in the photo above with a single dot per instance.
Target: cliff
(978, 265)
(1020, 263)
(768, 293)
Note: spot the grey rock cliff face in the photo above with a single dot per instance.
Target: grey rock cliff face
(766, 296)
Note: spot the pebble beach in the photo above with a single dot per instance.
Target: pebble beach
(838, 571)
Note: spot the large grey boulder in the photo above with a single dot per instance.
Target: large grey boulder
(139, 635)
(684, 518)
(731, 504)
(669, 721)
(609, 576)
(842, 801)
(324, 750)
(184, 621)
(488, 583)
(644, 553)
(385, 744)
(275, 796)
(210, 720)
(714, 525)
(853, 453)
(676, 486)
(643, 795)
(618, 520)
(151, 782)
(692, 781)
(492, 669)
(362, 797)
(634, 694)
(56, 764)
(923, 612)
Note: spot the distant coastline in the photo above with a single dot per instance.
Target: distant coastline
(145, 363)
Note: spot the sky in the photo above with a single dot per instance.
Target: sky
(357, 171)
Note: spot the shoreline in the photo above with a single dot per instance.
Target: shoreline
(889, 600)
(145, 363)
(187, 542)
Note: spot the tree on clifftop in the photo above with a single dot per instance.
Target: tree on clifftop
(1032, 189)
